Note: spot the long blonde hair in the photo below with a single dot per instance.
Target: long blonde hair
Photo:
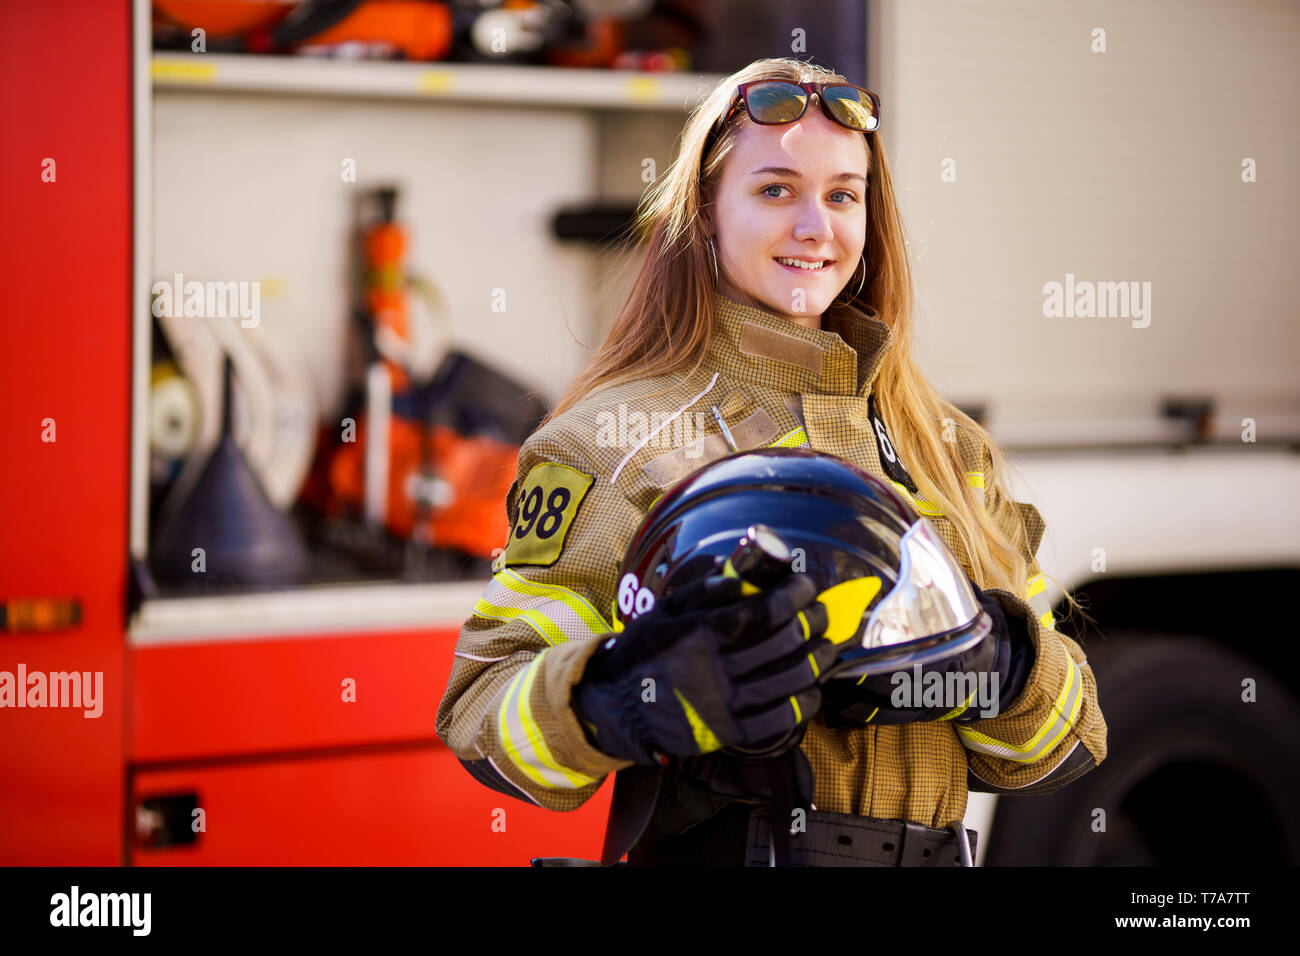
(668, 318)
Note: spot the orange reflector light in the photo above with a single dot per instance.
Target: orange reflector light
(39, 614)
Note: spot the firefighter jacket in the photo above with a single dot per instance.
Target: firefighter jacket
(586, 479)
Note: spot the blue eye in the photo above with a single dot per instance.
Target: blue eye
(766, 191)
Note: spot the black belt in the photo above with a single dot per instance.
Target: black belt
(838, 839)
(740, 835)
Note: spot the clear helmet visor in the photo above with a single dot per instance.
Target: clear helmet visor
(930, 614)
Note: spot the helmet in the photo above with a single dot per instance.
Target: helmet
(894, 593)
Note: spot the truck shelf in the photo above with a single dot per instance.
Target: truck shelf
(443, 82)
(336, 608)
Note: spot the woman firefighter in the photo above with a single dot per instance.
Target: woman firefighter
(773, 309)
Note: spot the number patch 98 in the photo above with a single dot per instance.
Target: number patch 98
(548, 500)
(556, 501)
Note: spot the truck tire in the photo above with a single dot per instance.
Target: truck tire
(1193, 774)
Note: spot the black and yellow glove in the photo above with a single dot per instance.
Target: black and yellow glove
(707, 669)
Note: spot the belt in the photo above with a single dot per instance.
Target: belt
(839, 839)
(741, 835)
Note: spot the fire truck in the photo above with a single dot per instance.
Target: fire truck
(1161, 450)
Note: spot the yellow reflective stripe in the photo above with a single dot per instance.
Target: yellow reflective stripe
(576, 602)
(577, 780)
(923, 506)
(791, 439)
(542, 624)
(555, 612)
(975, 479)
(798, 714)
(874, 712)
(705, 738)
(522, 739)
(958, 711)
(803, 622)
(1065, 711)
(1033, 588)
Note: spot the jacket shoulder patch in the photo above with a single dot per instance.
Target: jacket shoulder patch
(549, 496)
(753, 431)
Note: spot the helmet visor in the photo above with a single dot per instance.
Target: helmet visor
(929, 615)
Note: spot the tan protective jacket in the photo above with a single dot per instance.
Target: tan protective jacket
(584, 482)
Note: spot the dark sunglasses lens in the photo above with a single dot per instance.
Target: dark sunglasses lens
(776, 102)
(852, 107)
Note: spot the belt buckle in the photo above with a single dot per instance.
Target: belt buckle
(912, 852)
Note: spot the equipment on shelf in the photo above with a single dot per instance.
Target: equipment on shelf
(565, 33)
(427, 445)
(226, 530)
(409, 29)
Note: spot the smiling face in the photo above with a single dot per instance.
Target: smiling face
(798, 192)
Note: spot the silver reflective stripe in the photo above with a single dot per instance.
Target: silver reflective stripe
(475, 657)
(1064, 714)
(1007, 786)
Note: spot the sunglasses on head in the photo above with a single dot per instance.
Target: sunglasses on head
(774, 102)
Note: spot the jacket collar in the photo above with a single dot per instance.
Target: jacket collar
(764, 347)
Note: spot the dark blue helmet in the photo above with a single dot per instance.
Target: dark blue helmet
(894, 592)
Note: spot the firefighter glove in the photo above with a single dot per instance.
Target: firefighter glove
(707, 667)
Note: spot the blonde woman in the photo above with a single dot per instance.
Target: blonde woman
(773, 308)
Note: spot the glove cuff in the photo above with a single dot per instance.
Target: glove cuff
(1011, 623)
